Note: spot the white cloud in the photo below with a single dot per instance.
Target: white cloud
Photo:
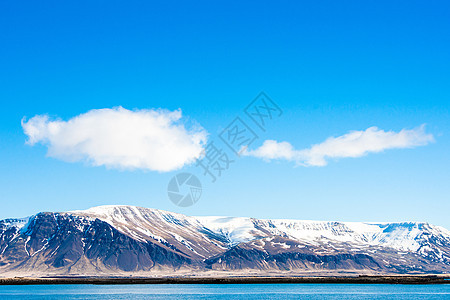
(119, 138)
(352, 144)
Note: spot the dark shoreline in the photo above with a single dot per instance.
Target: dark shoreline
(231, 280)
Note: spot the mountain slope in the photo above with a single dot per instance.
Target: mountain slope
(65, 243)
(121, 240)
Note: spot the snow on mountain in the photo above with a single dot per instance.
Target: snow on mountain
(234, 229)
(18, 223)
(406, 236)
(169, 229)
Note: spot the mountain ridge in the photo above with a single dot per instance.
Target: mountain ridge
(123, 239)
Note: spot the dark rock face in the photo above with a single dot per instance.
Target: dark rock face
(61, 240)
(241, 257)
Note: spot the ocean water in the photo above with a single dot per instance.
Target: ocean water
(227, 291)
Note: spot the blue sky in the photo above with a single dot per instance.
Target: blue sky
(332, 67)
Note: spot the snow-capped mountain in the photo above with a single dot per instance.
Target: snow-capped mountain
(120, 240)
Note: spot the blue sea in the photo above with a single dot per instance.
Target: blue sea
(227, 291)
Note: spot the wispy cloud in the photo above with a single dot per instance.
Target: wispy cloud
(352, 144)
(119, 138)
